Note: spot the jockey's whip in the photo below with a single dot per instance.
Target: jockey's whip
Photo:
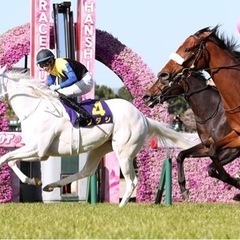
(72, 103)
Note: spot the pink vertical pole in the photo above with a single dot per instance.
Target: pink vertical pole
(111, 182)
(85, 44)
(86, 36)
(40, 34)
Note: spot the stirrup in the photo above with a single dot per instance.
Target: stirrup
(83, 120)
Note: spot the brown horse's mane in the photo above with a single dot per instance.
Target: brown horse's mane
(222, 40)
(200, 75)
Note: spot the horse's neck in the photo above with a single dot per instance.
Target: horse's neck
(24, 101)
(224, 70)
(22, 104)
(220, 59)
(203, 103)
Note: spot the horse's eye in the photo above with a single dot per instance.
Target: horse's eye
(187, 49)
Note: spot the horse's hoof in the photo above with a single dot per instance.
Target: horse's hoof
(212, 172)
(237, 176)
(38, 182)
(48, 189)
(185, 195)
(237, 197)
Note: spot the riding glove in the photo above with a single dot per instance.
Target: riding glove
(54, 87)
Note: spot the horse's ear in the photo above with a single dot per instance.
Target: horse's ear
(208, 34)
(207, 31)
(3, 69)
(212, 31)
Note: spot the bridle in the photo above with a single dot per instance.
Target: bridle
(3, 86)
(196, 55)
(4, 80)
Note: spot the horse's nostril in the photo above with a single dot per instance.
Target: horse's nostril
(146, 98)
(163, 76)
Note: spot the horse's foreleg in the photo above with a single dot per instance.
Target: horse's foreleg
(22, 153)
(181, 174)
(89, 168)
(23, 178)
(196, 151)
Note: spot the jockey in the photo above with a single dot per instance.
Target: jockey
(75, 79)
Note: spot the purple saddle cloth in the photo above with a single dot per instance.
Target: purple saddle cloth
(98, 109)
(72, 113)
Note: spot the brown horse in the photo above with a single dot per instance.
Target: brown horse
(210, 120)
(206, 50)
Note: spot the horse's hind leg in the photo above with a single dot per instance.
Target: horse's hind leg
(223, 175)
(225, 156)
(89, 168)
(128, 172)
(128, 143)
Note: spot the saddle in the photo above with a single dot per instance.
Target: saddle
(86, 113)
(80, 119)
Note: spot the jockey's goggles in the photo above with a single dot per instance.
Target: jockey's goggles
(44, 64)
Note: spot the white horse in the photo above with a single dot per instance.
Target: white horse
(47, 131)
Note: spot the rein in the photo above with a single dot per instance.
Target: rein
(213, 115)
(31, 112)
(188, 93)
(43, 95)
(233, 110)
(4, 88)
(191, 93)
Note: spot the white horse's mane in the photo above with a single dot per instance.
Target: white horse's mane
(17, 74)
(23, 76)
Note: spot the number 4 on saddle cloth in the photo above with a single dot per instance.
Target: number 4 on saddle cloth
(87, 113)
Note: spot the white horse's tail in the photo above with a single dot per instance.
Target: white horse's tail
(164, 133)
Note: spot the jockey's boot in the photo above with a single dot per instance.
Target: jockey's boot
(84, 117)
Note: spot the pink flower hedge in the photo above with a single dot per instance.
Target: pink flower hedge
(6, 191)
(202, 187)
(137, 76)
(14, 44)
